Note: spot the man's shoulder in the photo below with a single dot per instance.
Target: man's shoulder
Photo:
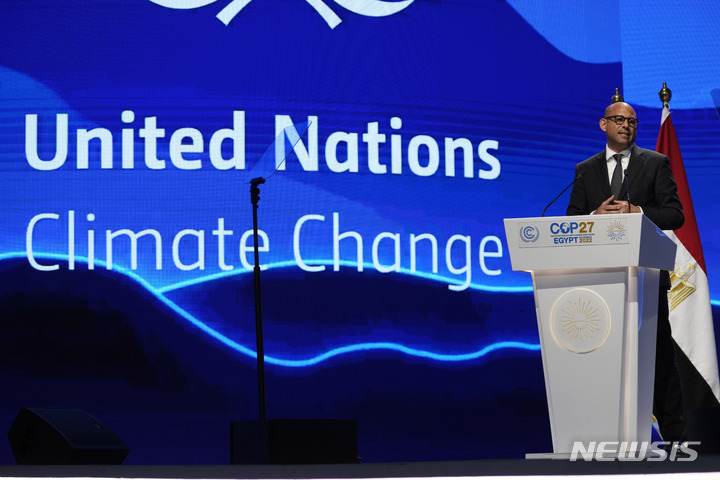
(649, 154)
(597, 157)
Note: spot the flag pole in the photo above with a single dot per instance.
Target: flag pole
(689, 296)
(665, 95)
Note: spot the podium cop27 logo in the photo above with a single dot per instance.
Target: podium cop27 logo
(368, 8)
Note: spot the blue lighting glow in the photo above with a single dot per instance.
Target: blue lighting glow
(399, 136)
(329, 263)
(312, 359)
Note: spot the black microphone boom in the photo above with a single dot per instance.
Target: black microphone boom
(577, 177)
(627, 187)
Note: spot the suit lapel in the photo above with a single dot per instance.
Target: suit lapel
(601, 171)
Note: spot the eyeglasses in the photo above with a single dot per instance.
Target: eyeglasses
(619, 120)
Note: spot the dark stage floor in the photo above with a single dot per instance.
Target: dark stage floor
(705, 467)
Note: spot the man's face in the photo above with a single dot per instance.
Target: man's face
(619, 137)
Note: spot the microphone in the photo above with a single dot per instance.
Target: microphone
(627, 186)
(577, 177)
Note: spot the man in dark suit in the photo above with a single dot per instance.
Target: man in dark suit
(625, 178)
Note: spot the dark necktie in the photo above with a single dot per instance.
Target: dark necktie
(616, 181)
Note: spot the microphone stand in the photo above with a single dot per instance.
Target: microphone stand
(627, 188)
(577, 177)
(293, 138)
(254, 198)
(332, 441)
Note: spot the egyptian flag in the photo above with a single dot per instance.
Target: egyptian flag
(689, 297)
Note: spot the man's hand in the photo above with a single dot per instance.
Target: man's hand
(611, 206)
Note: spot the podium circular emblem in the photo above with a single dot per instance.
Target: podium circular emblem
(580, 320)
(529, 233)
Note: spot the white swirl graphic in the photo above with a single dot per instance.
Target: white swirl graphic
(367, 8)
(232, 9)
(325, 12)
(183, 4)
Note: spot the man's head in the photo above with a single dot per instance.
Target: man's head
(619, 137)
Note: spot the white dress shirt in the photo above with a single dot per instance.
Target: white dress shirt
(611, 161)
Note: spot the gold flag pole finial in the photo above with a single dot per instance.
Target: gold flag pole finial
(665, 95)
(617, 97)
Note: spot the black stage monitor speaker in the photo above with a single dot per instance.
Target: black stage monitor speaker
(293, 441)
(63, 436)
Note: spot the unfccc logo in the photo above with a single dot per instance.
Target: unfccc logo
(529, 233)
(368, 8)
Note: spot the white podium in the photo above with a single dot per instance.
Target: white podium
(595, 280)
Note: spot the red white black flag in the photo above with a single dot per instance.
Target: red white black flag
(689, 297)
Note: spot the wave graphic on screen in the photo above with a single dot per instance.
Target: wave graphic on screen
(13, 262)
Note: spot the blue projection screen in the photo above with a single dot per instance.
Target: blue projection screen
(407, 131)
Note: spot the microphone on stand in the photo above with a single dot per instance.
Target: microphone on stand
(627, 188)
(577, 177)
